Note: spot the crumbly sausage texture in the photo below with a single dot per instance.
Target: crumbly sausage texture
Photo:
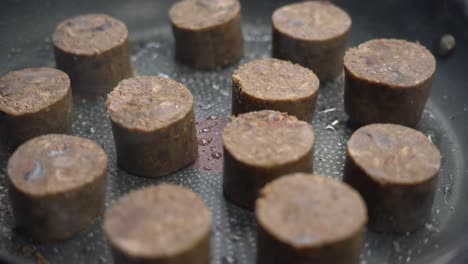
(395, 169)
(57, 185)
(276, 85)
(90, 34)
(159, 224)
(394, 62)
(304, 218)
(261, 146)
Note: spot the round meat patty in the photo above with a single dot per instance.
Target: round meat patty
(387, 81)
(258, 148)
(153, 125)
(159, 224)
(34, 102)
(57, 186)
(304, 218)
(312, 34)
(207, 33)
(93, 50)
(277, 85)
(395, 169)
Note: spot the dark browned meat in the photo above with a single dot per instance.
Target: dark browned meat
(276, 85)
(153, 125)
(93, 51)
(34, 102)
(57, 186)
(207, 33)
(258, 148)
(159, 224)
(312, 34)
(395, 169)
(304, 218)
(387, 81)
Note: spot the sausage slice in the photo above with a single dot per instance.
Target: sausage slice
(304, 218)
(93, 50)
(258, 148)
(387, 81)
(276, 85)
(207, 33)
(395, 169)
(153, 125)
(159, 224)
(57, 186)
(312, 34)
(34, 102)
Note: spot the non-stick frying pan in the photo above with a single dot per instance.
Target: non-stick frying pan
(25, 31)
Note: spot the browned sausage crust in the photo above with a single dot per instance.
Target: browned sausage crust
(395, 169)
(153, 125)
(312, 34)
(387, 81)
(304, 218)
(34, 102)
(93, 50)
(258, 148)
(207, 33)
(57, 185)
(159, 224)
(276, 85)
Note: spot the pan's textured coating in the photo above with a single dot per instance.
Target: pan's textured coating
(57, 186)
(233, 236)
(276, 85)
(159, 224)
(34, 102)
(93, 50)
(387, 81)
(305, 218)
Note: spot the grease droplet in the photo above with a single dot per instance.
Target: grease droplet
(204, 130)
(216, 155)
(229, 260)
(204, 141)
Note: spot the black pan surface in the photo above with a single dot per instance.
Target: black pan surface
(25, 30)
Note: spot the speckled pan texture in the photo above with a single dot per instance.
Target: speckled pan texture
(233, 236)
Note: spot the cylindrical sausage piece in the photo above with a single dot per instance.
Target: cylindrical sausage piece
(153, 125)
(34, 102)
(304, 218)
(312, 34)
(258, 148)
(159, 224)
(387, 81)
(93, 50)
(207, 33)
(276, 85)
(395, 169)
(57, 186)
